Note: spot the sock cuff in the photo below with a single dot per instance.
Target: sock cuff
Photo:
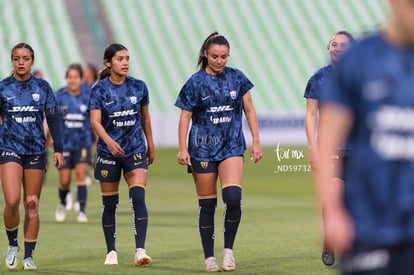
(12, 229)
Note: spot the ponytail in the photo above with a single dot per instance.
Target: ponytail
(104, 73)
(213, 38)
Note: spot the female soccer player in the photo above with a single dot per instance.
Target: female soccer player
(24, 101)
(337, 45)
(77, 141)
(369, 102)
(119, 115)
(90, 75)
(214, 99)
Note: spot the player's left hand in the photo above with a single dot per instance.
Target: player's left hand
(255, 152)
(150, 155)
(58, 160)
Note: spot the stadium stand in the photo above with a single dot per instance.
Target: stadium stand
(44, 25)
(278, 44)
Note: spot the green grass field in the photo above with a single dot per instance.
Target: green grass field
(279, 232)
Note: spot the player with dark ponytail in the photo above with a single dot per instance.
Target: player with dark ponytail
(214, 99)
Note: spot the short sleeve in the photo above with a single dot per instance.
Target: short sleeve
(246, 84)
(95, 100)
(187, 99)
(145, 98)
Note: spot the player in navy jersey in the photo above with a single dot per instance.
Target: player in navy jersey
(337, 45)
(77, 141)
(214, 99)
(369, 101)
(24, 101)
(119, 115)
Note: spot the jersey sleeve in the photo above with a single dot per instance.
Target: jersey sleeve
(246, 84)
(95, 100)
(187, 98)
(54, 117)
(337, 88)
(145, 99)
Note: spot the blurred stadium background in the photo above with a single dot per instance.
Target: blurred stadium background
(278, 44)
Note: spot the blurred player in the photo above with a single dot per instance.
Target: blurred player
(214, 99)
(119, 114)
(24, 101)
(90, 75)
(369, 101)
(77, 140)
(337, 45)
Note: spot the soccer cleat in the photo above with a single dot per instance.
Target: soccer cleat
(28, 264)
(228, 260)
(60, 213)
(328, 257)
(76, 206)
(141, 258)
(69, 201)
(12, 257)
(210, 265)
(82, 217)
(111, 258)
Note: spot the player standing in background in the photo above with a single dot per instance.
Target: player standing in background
(369, 102)
(24, 101)
(90, 75)
(214, 99)
(77, 140)
(120, 117)
(337, 45)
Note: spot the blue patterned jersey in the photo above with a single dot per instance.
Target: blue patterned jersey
(23, 105)
(217, 109)
(77, 125)
(375, 81)
(314, 85)
(121, 112)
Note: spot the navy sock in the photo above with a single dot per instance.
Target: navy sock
(206, 211)
(139, 215)
(82, 196)
(62, 196)
(12, 236)
(110, 204)
(232, 196)
(29, 247)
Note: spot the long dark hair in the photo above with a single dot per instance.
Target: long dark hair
(77, 67)
(110, 52)
(214, 38)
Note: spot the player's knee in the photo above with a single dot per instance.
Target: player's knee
(207, 204)
(137, 194)
(32, 206)
(110, 201)
(232, 196)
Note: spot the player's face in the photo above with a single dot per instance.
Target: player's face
(337, 46)
(73, 80)
(22, 63)
(217, 56)
(120, 63)
(404, 20)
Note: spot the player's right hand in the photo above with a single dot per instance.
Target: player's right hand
(183, 157)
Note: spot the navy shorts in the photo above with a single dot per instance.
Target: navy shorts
(108, 168)
(202, 167)
(75, 157)
(26, 161)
